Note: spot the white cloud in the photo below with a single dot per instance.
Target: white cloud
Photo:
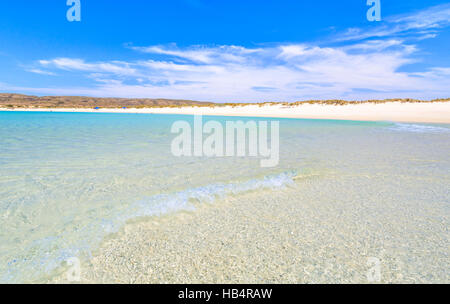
(286, 72)
(422, 22)
(41, 72)
(200, 54)
(433, 17)
(115, 67)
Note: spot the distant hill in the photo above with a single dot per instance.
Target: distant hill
(25, 101)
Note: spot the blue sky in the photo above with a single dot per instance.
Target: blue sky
(226, 51)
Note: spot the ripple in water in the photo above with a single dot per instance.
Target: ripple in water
(416, 128)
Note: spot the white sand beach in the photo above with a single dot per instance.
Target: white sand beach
(431, 112)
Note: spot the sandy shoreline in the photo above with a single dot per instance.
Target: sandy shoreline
(436, 112)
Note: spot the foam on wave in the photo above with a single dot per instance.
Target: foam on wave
(416, 128)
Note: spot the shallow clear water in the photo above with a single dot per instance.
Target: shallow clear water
(69, 179)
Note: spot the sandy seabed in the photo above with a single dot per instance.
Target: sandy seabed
(301, 234)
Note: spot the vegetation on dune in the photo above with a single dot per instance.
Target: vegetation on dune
(346, 102)
(25, 101)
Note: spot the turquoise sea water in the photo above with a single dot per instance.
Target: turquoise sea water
(67, 180)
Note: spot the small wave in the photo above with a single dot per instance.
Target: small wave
(31, 268)
(166, 203)
(416, 128)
